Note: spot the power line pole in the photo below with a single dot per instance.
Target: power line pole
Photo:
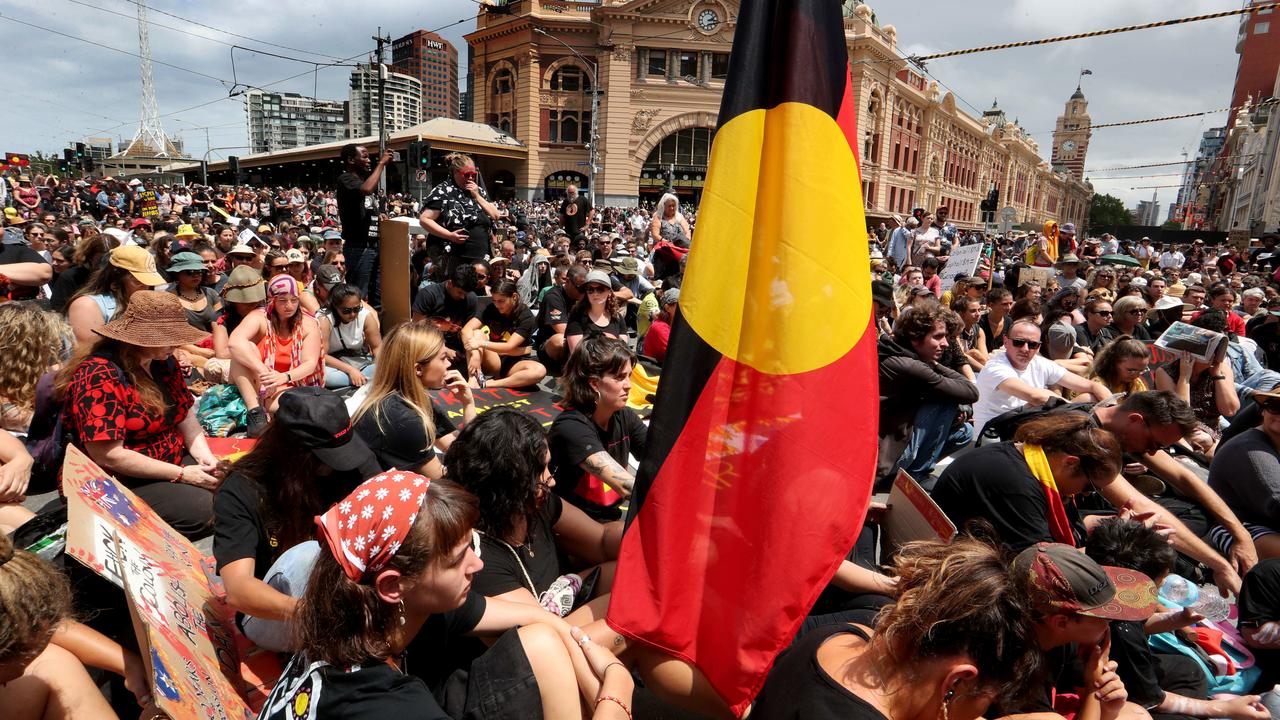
(382, 107)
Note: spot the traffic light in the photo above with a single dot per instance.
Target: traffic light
(81, 151)
(418, 155)
(69, 155)
(233, 164)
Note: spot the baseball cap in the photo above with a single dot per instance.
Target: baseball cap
(332, 235)
(1066, 580)
(318, 420)
(295, 256)
(1069, 228)
(140, 263)
(327, 276)
(599, 277)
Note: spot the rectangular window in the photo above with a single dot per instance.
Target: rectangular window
(719, 66)
(1261, 28)
(689, 65)
(658, 63)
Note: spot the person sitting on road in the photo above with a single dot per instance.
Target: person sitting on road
(498, 341)
(1020, 375)
(354, 337)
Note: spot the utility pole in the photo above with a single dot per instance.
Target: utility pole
(382, 108)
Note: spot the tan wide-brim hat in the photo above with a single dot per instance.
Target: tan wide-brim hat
(152, 319)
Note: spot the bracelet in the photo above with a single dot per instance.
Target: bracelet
(615, 662)
(182, 469)
(1217, 377)
(612, 699)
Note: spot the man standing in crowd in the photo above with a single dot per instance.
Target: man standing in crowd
(358, 211)
(575, 213)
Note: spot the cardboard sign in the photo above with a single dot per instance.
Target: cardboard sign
(1042, 275)
(186, 633)
(913, 515)
(540, 404)
(150, 208)
(1238, 239)
(963, 259)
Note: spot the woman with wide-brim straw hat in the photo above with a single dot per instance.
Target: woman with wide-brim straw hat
(274, 349)
(126, 404)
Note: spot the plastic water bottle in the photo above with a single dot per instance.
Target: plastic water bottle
(1181, 591)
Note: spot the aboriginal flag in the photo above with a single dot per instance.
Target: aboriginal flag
(762, 449)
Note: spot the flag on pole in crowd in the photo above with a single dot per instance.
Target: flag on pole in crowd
(762, 450)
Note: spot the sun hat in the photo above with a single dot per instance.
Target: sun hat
(140, 263)
(1066, 580)
(599, 277)
(543, 252)
(242, 249)
(295, 255)
(327, 276)
(317, 420)
(1068, 259)
(184, 261)
(186, 231)
(628, 266)
(283, 285)
(1169, 302)
(135, 182)
(245, 285)
(152, 319)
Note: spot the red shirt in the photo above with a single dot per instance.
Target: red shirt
(655, 341)
(99, 406)
(1235, 323)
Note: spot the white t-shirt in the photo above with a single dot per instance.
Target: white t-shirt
(1110, 247)
(1171, 260)
(1041, 373)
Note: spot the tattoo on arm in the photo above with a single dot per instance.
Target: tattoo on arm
(607, 469)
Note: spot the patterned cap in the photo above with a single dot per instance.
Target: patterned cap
(366, 529)
(1067, 580)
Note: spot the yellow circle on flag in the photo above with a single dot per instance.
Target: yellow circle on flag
(779, 277)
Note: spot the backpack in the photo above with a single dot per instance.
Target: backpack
(1004, 426)
(47, 439)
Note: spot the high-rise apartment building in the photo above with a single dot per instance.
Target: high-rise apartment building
(281, 121)
(403, 101)
(434, 62)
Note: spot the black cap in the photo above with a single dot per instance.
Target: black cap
(318, 420)
(882, 293)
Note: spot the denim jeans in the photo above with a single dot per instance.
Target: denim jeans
(335, 379)
(288, 575)
(933, 439)
(363, 272)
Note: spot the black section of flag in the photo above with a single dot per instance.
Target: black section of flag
(783, 52)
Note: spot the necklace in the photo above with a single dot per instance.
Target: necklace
(190, 299)
(532, 588)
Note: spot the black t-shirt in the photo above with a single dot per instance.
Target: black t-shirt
(582, 324)
(357, 212)
(1139, 667)
(239, 528)
(503, 571)
(502, 327)
(554, 310)
(1267, 335)
(574, 437)
(798, 686)
(1060, 671)
(434, 302)
(67, 285)
(574, 214)
(400, 441)
(994, 483)
(374, 690)
(17, 253)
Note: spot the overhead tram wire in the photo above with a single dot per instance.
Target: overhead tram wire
(233, 34)
(920, 59)
(69, 36)
(1127, 123)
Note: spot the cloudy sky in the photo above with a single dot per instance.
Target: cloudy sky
(61, 89)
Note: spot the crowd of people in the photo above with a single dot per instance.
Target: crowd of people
(404, 552)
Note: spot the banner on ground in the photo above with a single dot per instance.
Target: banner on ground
(186, 632)
(758, 467)
(963, 260)
(539, 404)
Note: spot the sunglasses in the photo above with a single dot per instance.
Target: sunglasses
(1137, 311)
(1103, 313)
(594, 289)
(1271, 405)
(1020, 343)
(280, 267)
(349, 310)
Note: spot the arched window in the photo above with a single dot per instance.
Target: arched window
(690, 147)
(570, 78)
(501, 114)
(503, 82)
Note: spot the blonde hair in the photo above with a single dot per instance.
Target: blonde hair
(397, 373)
(34, 599)
(32, 341)
(457, 160)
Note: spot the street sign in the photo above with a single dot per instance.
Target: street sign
(1008, 213)
(420, 176)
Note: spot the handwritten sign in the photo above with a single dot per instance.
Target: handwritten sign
(185, 630)
(963, 259)
(150, 208)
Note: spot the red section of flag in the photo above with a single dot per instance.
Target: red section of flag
(778, 473)
(847, 118)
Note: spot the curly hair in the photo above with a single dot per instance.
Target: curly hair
(32, 341)
(917, 321)
(34, 599)
(960, 600)
(500, 457)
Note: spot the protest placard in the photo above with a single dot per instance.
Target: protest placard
(963, 260)
(913, 515)
(1042, 275)
(186, 633)
(150, 208)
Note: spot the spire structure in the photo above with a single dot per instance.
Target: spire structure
(150, 140)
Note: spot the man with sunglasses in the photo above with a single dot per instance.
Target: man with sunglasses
(1096, 330)
(1021, 375)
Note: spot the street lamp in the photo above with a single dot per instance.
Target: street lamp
(595, 113)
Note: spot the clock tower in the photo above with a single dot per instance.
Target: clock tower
(1071, 136)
